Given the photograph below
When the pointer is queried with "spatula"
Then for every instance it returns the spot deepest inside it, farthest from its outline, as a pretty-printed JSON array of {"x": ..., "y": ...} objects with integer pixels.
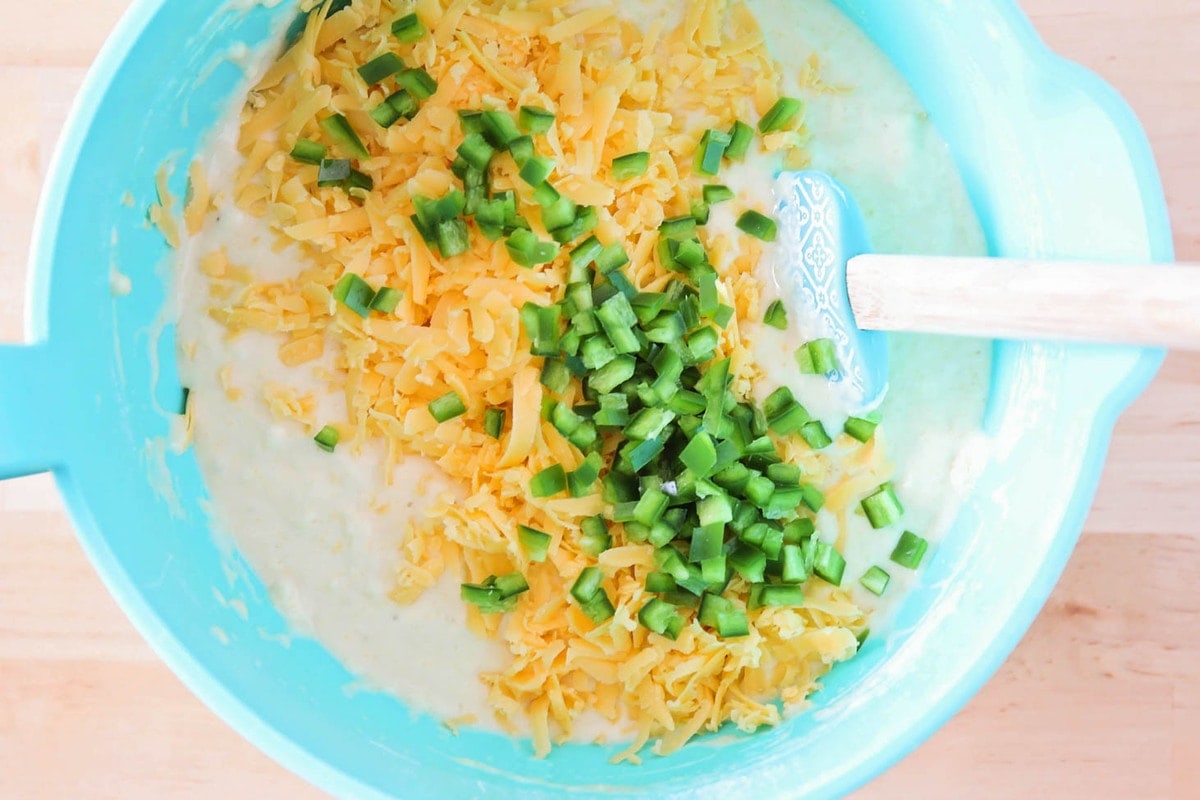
[{"x": 856, "y": 294}]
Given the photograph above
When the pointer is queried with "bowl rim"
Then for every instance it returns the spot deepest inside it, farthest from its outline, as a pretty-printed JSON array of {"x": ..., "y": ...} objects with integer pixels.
[{"x": 282, "y": 748}]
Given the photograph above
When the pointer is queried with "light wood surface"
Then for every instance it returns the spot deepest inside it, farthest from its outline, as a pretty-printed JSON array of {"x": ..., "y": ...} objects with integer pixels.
[
  {"x": 996, "y": 298},
  {"x": 1101, "y": 700}
]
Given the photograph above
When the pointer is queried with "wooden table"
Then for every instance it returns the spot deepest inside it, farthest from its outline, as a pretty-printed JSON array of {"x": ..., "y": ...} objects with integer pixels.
[{"x": 1101, "y": 700}]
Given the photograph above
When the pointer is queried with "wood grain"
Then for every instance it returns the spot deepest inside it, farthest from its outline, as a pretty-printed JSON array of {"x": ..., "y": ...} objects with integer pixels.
[
  {"x": 995, "y": 298},
  {"x": 1101, "y": 700}
]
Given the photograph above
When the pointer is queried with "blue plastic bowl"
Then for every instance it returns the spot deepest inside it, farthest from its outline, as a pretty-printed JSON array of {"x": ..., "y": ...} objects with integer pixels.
[{"x": 1056, "y": 165}]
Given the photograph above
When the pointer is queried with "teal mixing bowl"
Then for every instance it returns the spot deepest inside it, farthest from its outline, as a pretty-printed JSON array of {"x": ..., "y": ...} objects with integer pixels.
[{"x": 1056, "y": 166}]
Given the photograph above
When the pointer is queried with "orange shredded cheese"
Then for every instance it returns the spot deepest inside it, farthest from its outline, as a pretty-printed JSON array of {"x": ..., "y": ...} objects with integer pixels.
[
  {"x": 161, "y": 213},
  {"x": 615, "y": 89}
]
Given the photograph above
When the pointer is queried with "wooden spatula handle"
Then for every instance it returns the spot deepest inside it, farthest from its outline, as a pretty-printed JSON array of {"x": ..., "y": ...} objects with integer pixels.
[{"x": 1151, "y": 304}]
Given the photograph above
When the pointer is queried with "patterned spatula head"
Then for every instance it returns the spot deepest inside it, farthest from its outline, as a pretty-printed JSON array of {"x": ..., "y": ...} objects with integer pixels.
[{"x": 820, "y": 230}]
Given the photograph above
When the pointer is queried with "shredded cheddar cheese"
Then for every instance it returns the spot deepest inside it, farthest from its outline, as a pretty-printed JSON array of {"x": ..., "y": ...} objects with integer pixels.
[
  {"x": 615, "y": 89},
  {"x": 161, "y": 213}
]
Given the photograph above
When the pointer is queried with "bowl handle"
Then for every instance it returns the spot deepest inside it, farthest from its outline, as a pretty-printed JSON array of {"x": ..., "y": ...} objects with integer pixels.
[{"x": 28, "y": 407}]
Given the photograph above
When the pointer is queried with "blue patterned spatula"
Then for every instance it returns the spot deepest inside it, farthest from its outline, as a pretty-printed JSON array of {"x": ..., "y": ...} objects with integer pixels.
[
  {"x": 851, "y": 294},
  {"x": 821, "y": 230}
]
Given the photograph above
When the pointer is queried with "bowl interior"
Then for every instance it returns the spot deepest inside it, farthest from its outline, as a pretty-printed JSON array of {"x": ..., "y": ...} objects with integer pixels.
[{"x": 1055, "y": 165}]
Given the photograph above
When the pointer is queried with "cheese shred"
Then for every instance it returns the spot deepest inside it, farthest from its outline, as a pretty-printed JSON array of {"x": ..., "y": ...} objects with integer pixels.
[{"x": 615, "y": 89}]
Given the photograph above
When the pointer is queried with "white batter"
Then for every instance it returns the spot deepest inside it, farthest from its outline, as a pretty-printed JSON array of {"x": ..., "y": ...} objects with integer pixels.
[
  {"x": 322, "y": 530},
  {"x": 874, "y": 136}
]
